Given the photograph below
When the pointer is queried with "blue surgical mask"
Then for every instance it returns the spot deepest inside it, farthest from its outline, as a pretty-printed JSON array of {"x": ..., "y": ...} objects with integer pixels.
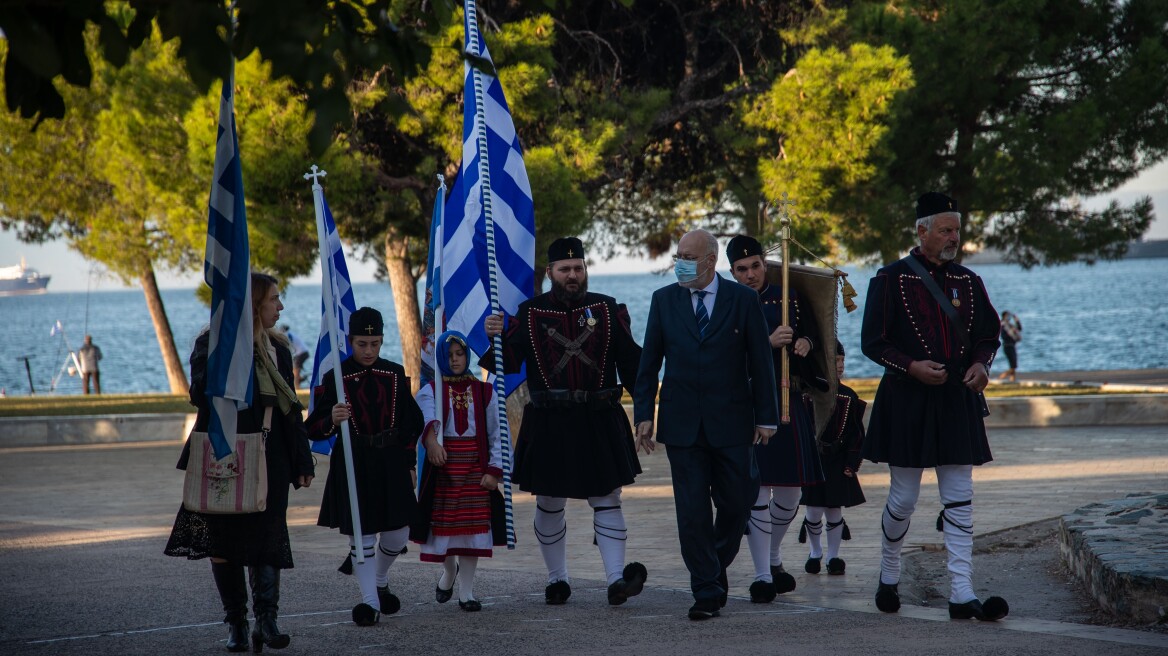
[{"x": 685, "y": 270}]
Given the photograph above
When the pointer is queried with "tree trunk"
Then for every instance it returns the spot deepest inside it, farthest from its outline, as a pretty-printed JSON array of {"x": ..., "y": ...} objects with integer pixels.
[
  {"x": 404, "y": 286},
  {"x": 175, "y": 373}
]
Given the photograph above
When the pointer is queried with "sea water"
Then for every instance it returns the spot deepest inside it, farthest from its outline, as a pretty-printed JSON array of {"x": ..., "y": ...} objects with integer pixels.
[{"x": 1107, "y": 316}]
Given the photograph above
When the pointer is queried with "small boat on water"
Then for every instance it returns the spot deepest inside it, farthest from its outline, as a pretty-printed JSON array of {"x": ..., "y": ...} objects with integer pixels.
[{"x": 19, "y": 280}]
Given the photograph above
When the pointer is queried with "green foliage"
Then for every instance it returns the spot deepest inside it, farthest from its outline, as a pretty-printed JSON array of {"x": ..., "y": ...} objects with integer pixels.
[
  {"x": 1019, "y": 108},
  {"x": 273, "y": 129},
  {"x": 829, "y": 115},
  {"x": 319, "y": 46}
]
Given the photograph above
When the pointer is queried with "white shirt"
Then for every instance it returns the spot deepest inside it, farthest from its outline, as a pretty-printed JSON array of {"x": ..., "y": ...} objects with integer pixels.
[{"x": 710, "y": 290}]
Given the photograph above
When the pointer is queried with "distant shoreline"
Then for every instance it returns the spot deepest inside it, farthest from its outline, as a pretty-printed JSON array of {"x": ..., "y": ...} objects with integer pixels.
[{"x": 1136, "y": 250}]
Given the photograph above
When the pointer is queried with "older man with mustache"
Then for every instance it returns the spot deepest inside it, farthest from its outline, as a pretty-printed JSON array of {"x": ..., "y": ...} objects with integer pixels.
[{"x": 929, "y": 322}]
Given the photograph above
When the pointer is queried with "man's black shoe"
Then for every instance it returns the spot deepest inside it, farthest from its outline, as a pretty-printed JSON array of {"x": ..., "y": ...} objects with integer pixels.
[
  {"x": 704, "y": 609},
  {"x": 784, "y": 582},
  {"x": 557, "y": 593},
  {"x": 762, "y": 592},
  {"x": 812, "y": 566},
  {"x": 836, "y": 566},
  {"x": 994, "y": 608},
  {"x": 631, "y": 583},
  {"x": 888, "y": 597}
]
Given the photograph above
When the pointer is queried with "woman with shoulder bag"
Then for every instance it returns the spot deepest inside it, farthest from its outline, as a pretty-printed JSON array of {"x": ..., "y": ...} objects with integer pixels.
[{"x": 256, "y": 540}]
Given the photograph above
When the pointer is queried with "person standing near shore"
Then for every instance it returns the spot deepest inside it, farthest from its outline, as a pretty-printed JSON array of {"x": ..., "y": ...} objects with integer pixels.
[
  {"x": 258, "y": 541},
  {"x": 929, "y": 322},
  {"x": 89, "y": 355},
  {"x": 1011, "y": 335}
]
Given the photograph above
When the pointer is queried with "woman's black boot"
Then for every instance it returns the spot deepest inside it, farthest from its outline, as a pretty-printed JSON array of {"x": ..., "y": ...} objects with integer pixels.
[
  {"x": 265, "y": 600},
  {"x": 233, "y": 593}
]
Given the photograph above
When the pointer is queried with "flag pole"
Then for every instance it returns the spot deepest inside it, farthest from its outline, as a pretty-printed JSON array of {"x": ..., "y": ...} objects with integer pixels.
[
  {"x": 785, "y": 361},
  {"x": 328, "y": 287},
  {"x": 440, "y": 307},
  {"x": 497, "y": 341}
]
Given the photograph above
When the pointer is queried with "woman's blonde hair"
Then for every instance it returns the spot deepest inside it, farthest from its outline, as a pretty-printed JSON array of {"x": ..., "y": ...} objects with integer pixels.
[{"x": 261, "y": 285}]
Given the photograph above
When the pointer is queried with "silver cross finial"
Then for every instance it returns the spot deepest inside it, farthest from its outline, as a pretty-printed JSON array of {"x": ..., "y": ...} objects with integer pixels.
[
  {"x": 784, "y": 206},
  {"x": 316, "y": 173}
]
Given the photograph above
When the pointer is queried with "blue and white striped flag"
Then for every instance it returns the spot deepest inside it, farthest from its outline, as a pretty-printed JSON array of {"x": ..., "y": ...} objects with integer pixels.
[
  {"x": 343, "y": 304},
  {"x": 227, "y": 271},
  {"x": 433, "y": 326},
  {"x": 465, "y": 264}
]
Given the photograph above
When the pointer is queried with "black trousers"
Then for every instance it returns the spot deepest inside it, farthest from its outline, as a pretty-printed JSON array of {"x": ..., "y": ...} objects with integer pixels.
[{"x": 727, "y": 476}]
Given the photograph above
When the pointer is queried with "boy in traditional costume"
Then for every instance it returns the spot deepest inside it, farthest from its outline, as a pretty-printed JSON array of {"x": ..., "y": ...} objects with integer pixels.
[
  {"x": 840, "y": 453},
  {"x": 384, "y": 424}
]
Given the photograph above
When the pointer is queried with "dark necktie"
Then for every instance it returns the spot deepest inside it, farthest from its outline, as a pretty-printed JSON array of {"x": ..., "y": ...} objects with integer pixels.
[{"x": 700, "y": 312}]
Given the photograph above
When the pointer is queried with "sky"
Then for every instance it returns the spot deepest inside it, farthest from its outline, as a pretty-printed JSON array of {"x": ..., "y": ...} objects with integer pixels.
[{"x": 71, "y": 272}]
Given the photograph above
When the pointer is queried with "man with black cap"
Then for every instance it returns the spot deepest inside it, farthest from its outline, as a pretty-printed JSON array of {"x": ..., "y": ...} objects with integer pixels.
[
  {"x": 790, "y": 460},
  {"x": 929, "y": 322},
  {"x": 384, "y": 424},
  {"x": 575, "y": 441}
]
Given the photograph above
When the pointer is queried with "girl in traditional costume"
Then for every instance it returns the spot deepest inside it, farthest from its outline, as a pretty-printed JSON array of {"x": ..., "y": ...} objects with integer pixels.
[{"x": 461, "y": 510}]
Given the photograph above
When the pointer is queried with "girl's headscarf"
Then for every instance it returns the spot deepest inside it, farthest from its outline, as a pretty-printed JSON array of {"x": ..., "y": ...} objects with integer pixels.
[{"x": 442, "y": 350}]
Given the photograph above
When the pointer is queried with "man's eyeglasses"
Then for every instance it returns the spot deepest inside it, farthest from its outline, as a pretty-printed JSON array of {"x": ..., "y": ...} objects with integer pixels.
[{"x": 687, "y": 258}]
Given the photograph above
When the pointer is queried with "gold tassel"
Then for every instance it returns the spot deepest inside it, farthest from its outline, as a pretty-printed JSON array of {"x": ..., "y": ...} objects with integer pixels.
[{"x": 848, "y": 292}]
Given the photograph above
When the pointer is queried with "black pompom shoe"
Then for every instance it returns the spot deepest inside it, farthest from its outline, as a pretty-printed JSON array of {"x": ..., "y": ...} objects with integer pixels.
[
  {"x": 762, "y": 592},
  {"x": 470, "y": 605},
  {"x": 994, "y": 609},
  {"x": 888, "y": 598},
  {"x": 784, "y": 582},
  {"x": 557, "y": 593},
  {"x": 365, "y": 615},
  {"x": 813, "y": 565},
  {"x": 836, "y": 566},
  {"x": 390, "y": 604},
  {"x": 631, "y": 583}
]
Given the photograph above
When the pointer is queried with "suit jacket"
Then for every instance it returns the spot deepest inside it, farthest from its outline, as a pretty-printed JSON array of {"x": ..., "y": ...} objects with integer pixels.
[{"x": 724, "y": 382}]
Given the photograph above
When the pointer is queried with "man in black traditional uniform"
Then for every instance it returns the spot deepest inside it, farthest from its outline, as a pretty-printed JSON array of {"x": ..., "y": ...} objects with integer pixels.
[
  {"x": 384, "y": 424},
  {"x": 929, "y": 322},
  {"x": 790, "y": 460},
  {"x": 575, "y": 441}
]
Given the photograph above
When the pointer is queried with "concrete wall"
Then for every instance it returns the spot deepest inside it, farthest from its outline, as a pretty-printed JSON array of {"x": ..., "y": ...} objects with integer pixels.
[
  {"x": 1086, "y": 410},
  {"x": 94, "y": 429}
]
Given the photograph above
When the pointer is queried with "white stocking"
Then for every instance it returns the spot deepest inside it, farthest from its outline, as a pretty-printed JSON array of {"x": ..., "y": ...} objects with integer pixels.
[
  {"x": 366, "y": 572},
  {"x": 551, "y": 529},
  {"x": 813, "y": 522},
  {"x": 608, "y": 521},
  {"x": 955, "y": 483},
  {"x": 903, "y": 490},
  {"x": 466, "y": 575},
  {"x": 759, "y": 537},
  {"x": 389, "y": 547},
  {"x": 784, "y": 507},
  {"x": 835, "y": 531}
]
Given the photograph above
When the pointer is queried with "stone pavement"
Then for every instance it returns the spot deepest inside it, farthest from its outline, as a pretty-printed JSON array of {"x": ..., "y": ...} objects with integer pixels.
[{"x": 82, "y": 530}]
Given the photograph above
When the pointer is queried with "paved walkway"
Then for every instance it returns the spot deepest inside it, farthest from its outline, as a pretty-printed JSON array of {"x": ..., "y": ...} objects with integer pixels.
[{"x": 82, "y": 530}]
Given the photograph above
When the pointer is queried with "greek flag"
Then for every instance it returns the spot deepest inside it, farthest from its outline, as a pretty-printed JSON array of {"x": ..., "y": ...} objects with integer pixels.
[
  {"x": 227, "y": 271},
  {"x": 336, "y": 296},
  {"x": 431, "y": 327},
  {"x": 466, "y": 283}
]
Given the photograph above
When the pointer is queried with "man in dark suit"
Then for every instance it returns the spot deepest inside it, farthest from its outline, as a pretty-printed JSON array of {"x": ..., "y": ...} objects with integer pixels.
[{"x": 717, "y": 400}]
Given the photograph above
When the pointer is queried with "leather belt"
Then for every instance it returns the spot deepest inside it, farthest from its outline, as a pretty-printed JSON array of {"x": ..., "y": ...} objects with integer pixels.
[{"x": 562, "y": 398}]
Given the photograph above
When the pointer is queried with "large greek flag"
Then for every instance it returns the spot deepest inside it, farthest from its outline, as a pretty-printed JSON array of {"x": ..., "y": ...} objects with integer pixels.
[
  {"x": 336, "y": 296},
  {"x": 466, "y": 284},
  {"x": 227, "y": 270}
]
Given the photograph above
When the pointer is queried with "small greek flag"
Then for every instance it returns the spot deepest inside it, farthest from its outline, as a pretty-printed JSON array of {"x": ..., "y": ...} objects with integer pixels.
[{"x": 337, "y": 297}]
